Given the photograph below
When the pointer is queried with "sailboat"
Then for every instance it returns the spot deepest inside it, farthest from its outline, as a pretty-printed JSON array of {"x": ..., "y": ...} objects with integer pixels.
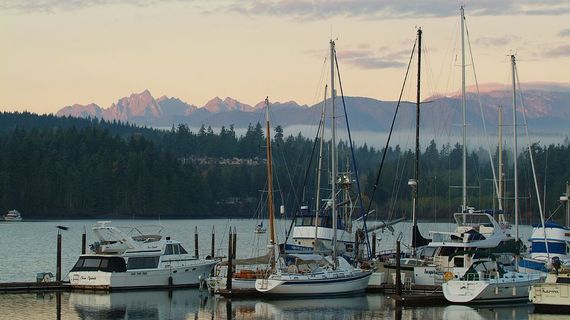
[
  {"x": 309, "y": 274},
  {"x": 491, "y": 284},
  {"x": 249, "y": 269}
]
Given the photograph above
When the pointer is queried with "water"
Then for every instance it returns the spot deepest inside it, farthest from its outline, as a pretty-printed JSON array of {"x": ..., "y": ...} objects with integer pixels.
[{"x": 29, "y": 247}]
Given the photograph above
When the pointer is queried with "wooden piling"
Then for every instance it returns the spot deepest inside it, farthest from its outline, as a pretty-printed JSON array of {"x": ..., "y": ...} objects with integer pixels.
[
  {"x": 58, "y": 262},
  {"x": 83, "y": 241},
  {"x": 229, "y": 274},
  {"x": 212, "y": 251},
  {"x": 196, "y": 241},
  {"x": 373, "y": 244},
  {"x": 398, "y": 283},
  {"x": 234, "y": 244}
]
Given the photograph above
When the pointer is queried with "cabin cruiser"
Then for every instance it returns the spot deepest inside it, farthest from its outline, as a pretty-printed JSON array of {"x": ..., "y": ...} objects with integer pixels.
[
  {"x": 12, "y": 215},
  {"x": 135, "y": 259}
]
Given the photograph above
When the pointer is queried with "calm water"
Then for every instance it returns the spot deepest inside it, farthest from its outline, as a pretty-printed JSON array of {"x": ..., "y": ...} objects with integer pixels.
[{"x": 30, "y": 247}]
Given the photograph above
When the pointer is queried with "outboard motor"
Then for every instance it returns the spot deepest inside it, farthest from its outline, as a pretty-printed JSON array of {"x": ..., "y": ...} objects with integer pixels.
[{"x": 556, "y": 264}]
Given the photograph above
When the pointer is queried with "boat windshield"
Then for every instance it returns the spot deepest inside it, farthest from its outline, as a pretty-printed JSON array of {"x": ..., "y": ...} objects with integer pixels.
[
  {"x": 472, "y": 219},
  {"x": 107, "y": 264}
]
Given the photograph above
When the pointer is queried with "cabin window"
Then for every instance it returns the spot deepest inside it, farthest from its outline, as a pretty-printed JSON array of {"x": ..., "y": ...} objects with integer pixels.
[
  {"x": 168, "y": 250},
  {"x": 107, "y": 264},
  {"x": 307, "y": 221},
  {"x": 459, "y": 262},
  {"x": 182, "y": 250},
  {"x": 176, "y": 249},
  {"x": 142, "y": 263},
  {"x": 299, "y": 221}
]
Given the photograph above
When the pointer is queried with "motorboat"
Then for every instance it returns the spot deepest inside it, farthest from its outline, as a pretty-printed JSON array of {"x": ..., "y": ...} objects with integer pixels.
[
  {"x": 134, "y": 259},
  {"x": 12, "y": 215},
  {"x": 552, "y": 296}
]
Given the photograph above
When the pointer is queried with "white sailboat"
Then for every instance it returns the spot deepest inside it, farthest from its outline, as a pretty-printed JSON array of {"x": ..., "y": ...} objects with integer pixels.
[
  {"x": 313, "y": 274},
  {"x": 490, "y": 284}
]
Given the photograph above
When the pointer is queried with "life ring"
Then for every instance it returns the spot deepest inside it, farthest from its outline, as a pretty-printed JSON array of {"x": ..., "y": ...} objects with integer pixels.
[{"x": 447, "y": 276}]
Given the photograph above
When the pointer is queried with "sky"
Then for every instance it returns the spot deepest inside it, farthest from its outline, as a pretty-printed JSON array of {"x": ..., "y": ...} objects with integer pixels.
[{"x": 55, "y": 53}]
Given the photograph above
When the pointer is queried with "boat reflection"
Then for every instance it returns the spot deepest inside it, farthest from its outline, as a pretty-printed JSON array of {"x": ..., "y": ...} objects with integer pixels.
[
  {"x": 176, "y": 304},
  {"x": 521, "y": 311}
]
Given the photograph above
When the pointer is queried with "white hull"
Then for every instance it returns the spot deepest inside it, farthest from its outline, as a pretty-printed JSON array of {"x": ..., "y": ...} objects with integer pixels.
[
  {"x": 12, "y": 219},
  {"x": 512, "y": 287},
  {"x": 215, "y": 284},
  {"x": 182, "y": 276},
  {"x": 551, "y": 294},
  {"x": 314, "y": 284}
]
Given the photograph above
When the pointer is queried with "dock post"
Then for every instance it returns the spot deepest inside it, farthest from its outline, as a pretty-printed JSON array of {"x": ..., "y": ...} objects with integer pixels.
[
  {"x": 58, "y": 262},
  {"x": 212, "y": 251},
  {"x": 230, "y": 267},
  {"x": 196, "y": 241},
  {"x": 234, "y": 251},
  {"x": 373, "y": 244},
  {"x": 83, "y": 241},
  {"x": 398, "y": 283}
]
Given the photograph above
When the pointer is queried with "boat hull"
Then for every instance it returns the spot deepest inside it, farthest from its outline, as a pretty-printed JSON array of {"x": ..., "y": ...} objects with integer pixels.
[
  {"x": 182, "y": 276},
  {"x": 551, "y": 297},
  {"x": 499, "y": 290},
  {"x": 317, "y": 284}
]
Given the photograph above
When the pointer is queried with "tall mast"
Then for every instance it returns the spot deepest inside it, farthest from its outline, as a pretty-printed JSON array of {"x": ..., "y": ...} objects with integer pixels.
[
  {"x": 463, "y": 107},
  {"x": 500, "y": 186},
  {"x": 333, "y": 156},
  {"x": 515, "y": 148},
  {"x": 270, "y": 207},
  {"x": 319, "y": 168},
  {"x": 415, "y": 185}
]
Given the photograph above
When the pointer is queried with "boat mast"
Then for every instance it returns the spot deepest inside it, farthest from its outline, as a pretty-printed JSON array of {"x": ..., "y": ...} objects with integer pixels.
[
  {"x": 318, "y": 198},
  {"x": 515, "y": 151},
  {"x": 270, "y": 208},
  {"x": 415, "y": 182},
  {"x": 333, "y": 157},
  {"x": 500, "y": 187},
  {"x": 463, "y": 107}
]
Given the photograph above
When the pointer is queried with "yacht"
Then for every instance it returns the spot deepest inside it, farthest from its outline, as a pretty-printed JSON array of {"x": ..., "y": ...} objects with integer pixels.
[
  {"x": 12, "y": 215},
  {"x": 134, "y": 259}
]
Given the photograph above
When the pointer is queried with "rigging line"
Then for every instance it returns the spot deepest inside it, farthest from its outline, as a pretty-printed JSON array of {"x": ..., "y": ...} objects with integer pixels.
[
  {"x": 306, "y": 176},
  {"x": 391, "y": 130},
  {"x": 529, "y": 146},
  {"x": 495, "y": 184},
  {"x": 362, "y": 213}
]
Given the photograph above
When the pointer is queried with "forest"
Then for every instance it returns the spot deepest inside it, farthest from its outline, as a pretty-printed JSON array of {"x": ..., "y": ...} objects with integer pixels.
[{"x": 63, "y": 167}]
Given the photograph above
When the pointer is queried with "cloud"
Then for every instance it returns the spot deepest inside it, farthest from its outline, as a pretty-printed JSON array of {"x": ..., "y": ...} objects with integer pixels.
[
  {"x": 564, "y": 33},
  {"x": 394, "y": 9},
  {"x": 556, "y": 52},
  {"x": 314, "y": 9},
  {"x": 496, "y": 41},
  {"x": 27, "y": 6},
  {"x": 367, "y": 59}
]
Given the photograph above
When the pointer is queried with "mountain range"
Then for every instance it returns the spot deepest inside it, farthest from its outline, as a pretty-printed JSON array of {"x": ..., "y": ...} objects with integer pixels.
[{"x": 547, "y": 109}]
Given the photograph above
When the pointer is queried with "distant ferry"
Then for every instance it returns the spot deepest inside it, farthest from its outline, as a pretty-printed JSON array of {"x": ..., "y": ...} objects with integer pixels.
[{"x": 12, "y": 215}]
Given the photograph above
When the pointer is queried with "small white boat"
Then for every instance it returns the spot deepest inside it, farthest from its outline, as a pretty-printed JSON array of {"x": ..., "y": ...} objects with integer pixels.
[
  {"x": 259, "y": 228},
  {"x": 552, "y": 296},
  {"x": 133, "y": 259},
  {"x": 12, "y": 215},
  {"x": 489, "y": 286}
]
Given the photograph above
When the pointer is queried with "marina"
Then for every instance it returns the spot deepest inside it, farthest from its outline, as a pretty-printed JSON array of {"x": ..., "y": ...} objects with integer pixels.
[{"x": 196, "y": 302}]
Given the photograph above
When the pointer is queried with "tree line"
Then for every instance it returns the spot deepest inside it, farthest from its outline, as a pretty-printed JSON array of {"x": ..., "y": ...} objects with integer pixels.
[{"x": 63, "y": 167}]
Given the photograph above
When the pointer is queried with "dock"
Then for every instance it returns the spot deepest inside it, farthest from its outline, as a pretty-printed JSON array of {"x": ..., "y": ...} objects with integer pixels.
[{"x": 31, "y": 287}]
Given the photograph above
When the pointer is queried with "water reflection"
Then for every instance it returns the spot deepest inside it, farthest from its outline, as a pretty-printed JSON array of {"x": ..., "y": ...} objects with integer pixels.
[
  {"x": 196, "y": 304},
  {"x": 513, "y": 312},
  {"x": 177, "y": 304}
]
